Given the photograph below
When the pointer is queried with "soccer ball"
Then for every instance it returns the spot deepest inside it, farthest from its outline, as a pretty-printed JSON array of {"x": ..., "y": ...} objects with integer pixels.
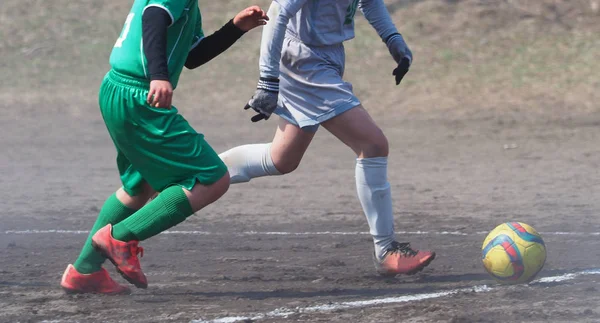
[{"x": 513, "y": 253}]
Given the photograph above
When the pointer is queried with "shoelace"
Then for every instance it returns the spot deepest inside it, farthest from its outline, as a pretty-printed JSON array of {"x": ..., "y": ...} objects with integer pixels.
[
  {"x": 137, "y": 250},
  {"x": 403, "y": 248}
]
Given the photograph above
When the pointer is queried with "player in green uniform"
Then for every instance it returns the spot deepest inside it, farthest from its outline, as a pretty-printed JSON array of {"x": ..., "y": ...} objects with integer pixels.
[{"x": 157, "y": 150}]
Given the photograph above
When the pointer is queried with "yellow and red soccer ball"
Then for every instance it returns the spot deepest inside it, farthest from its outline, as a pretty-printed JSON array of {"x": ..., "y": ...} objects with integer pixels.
[{"x": 513, "y": 253}]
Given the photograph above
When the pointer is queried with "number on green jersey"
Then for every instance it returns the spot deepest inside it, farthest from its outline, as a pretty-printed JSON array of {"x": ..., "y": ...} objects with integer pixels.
[{"x": 125, "y": 31}]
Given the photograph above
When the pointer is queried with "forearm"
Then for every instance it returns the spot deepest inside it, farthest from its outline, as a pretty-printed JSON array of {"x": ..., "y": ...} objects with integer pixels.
[
  {"x": 213, "y": 45},
  {"x": 264, "y": 101},
  {"x": 155, "y": 22},
  {"x": 272, "y": 41},
  {"x": 379, "y": 17}
]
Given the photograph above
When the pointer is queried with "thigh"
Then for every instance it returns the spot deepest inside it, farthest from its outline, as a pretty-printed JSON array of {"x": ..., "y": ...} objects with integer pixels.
[
  {"x": 358, "y": 130},
  {"x": 168, "y": 151},
  {"x": 132, "y": 180},
  {"x": 158, "y": 145},
  {"x": 290, "y": 143},
  {"x": 113, "y": 107}
]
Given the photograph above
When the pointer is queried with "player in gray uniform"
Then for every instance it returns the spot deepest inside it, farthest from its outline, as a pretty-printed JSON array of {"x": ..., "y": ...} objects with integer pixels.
[{"x": 302, "y": 64}]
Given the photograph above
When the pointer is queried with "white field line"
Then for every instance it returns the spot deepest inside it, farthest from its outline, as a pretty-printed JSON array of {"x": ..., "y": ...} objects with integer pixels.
[
  {"x": 329, "y": 307},
  {"x": 286, "y": 233}
]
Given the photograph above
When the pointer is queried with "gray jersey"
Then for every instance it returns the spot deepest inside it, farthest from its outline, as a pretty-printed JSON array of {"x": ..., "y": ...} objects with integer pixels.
[{"x": 321, "y": 22}]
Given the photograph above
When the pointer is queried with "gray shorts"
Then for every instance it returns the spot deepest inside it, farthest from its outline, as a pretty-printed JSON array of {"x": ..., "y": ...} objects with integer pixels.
[{"x": 311, "y": 88}]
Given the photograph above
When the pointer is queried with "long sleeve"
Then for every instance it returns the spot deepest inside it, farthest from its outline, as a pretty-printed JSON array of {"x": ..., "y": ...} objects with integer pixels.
[
  {"x": 155, "y": 22},
  {"x": 280, "y": 12},
  {"x": 379, "y": 17},
  {"x": 212, "y": 46}
]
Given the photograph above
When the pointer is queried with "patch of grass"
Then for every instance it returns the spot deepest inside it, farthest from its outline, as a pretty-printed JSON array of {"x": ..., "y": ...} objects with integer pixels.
[{"x": 469, "y": 55}]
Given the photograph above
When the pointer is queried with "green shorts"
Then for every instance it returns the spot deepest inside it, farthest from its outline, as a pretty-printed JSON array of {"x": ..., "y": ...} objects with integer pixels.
[{"x": 154, "y": 145}]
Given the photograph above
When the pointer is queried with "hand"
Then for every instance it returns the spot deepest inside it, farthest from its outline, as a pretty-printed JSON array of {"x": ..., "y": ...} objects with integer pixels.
[
  {"x": 265, "y": 98},
  {"x": 264, "y": 102},
  {"x": 250, "y": 18},
  {"x": 401, "y": 70},
  {"x": 401, "y": 54},
  {"x": 160, "y": 94}
]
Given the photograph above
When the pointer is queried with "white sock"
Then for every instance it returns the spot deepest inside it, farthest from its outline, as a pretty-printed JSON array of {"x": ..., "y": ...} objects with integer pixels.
[
  {"x": 249, "y": 161},
  {"x": 375, "y": 197}
]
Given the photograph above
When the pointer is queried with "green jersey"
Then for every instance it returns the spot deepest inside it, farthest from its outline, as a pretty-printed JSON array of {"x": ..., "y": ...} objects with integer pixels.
[{"x": 183, "y": 34}]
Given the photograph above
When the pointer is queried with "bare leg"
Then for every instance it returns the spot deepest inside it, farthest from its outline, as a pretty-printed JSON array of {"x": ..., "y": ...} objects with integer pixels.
[
  {"x": 358, "y": 131},
  {"x": 200, "y": 196},
  {"x": 136, "y": 202},
  {"x": 282, "y": 156},
  {"x": 289, "y": 145}
]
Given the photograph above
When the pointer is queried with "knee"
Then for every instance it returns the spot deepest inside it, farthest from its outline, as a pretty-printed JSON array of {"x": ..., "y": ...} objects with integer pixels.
[
  {"x": 286, "y": 166},
  {"x": 374, "y": 146},
  {"x": 137, "y": 201},
  {"x": 146, "y": 193}
]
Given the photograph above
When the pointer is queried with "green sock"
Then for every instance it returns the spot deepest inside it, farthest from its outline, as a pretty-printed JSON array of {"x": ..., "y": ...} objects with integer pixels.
[
  {"x": 168, "y": 209},
  {"x": 113, "y": 212}
]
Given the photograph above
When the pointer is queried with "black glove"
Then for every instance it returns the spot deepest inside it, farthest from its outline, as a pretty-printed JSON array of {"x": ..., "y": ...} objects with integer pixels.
[
  {"x": 401, "y": 70},
  {"x": 401, "y": 54},
  {"x": 264, "y": 100}
]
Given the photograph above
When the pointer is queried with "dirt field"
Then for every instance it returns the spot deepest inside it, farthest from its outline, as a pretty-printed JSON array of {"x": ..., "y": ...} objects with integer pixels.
[{"x": 501, "y": 134}]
